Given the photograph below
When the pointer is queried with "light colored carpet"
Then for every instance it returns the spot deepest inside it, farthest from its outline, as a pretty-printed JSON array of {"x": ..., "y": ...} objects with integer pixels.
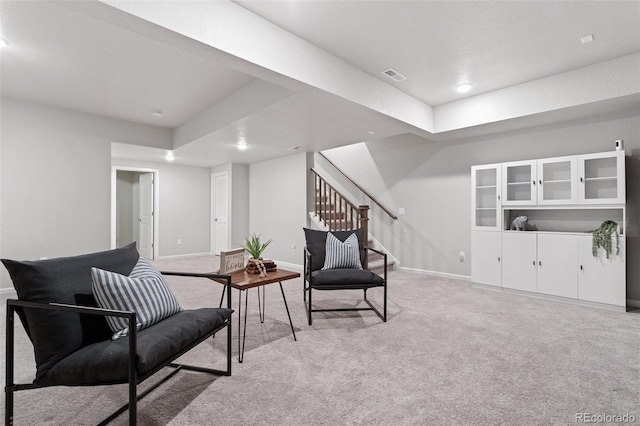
[{"x": 449, "y": 354}]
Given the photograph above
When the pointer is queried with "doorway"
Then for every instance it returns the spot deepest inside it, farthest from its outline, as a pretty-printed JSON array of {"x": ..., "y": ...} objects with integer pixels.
[
  {"x": 219, "y": 212},
  {"x": 134, "y": 209}
]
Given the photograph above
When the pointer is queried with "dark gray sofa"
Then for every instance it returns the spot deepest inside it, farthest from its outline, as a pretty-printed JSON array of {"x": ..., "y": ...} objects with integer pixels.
[{"x": 72, "y": 342}]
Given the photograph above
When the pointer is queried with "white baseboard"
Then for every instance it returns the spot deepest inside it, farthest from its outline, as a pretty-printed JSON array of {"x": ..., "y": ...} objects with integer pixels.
[
  {"x": 178, "y": 256},
  {"x": 436, "y": 274},
  {"x": 556, "y": 298},
  {"x": 292, "y": 266},
  {"x": 10, "y": 292}
]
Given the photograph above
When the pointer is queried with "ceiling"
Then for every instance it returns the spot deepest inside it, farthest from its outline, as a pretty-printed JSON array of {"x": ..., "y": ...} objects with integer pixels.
[{"x": 305, "y": 74}]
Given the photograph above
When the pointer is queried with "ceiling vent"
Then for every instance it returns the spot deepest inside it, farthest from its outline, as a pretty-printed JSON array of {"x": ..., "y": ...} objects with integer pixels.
[{"x": 394, "y": 75}]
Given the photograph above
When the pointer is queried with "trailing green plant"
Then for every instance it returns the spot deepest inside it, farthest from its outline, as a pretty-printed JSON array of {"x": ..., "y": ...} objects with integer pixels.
[
  {"x": 602, "y": 238},
  {"x": 254, "y": 245}
]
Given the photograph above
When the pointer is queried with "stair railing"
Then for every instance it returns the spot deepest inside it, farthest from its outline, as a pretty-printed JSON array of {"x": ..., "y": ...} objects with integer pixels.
[
  {"x": 361, "y": 189},
  {"x": 335, "y": 210}
]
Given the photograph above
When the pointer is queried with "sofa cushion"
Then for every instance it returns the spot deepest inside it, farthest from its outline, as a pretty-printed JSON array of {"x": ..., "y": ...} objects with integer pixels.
[
  {"x": 56, "y": 334},
  {"x": 342, "y": 254},
  {"x": 337, "y": 279},
  {"x": 316, "y": 242},
  {"x": 107, "y": 362},
  {"x": 144, "y": 292}
]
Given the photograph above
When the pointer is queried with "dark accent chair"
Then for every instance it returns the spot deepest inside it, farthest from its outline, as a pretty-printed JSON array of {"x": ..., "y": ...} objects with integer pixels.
[
  {"x": 71, "y": 338},
  {"x": 316, "y": 278}
]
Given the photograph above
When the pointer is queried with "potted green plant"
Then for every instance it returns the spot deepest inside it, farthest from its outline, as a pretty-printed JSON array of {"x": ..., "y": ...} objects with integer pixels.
[
  {"x": 602, "y": 238},
  {"x": 255, "y": 247}
]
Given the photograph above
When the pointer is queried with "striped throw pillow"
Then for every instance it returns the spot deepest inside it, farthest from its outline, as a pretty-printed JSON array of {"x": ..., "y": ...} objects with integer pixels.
[
  {"x": 144, "y": 291},
  {"x": 342, "y": 255}
]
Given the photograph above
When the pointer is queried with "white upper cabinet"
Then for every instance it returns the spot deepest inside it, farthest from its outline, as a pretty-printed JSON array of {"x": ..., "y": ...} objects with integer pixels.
[
  {"x": 519, "y": 186},
  {"x": 557, "y": 180},
  {"x": 577, "y": 179},
  {"x": 485, "y": 197},
  {"x": 601, "y": 178}
]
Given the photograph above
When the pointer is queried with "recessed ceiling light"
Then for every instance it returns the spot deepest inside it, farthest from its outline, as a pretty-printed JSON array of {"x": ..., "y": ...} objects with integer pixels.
[
  {"x": 242, "y": 145},
  {"x": 169, "y": 156},
  {"x": 3, "y": 42},
  {"x": 586, "y": 39},
  {"x": 371, "y": 132},
  {"x": 464, "y": 87},
  {"x": 156, "y": 113},
  {"x": 294, "y": 148}
]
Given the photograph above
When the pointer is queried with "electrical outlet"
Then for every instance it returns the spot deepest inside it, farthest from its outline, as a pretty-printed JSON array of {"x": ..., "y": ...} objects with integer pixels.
[
  {"x": 401, "y": 210},
  {"x": 293, "y": 247},
  {"x": 463, "y": 256},
  {"x": 179, "y": 241}
]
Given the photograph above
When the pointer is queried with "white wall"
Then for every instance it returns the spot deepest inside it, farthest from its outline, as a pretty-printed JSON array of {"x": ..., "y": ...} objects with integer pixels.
[
  {"x": 184, "y": 207},
  {"x": 432, "y": 182},
  {"x": 55, "y": 179},
  {"x": 278, "y": 205},
  {"x": 56, "y": 172}
]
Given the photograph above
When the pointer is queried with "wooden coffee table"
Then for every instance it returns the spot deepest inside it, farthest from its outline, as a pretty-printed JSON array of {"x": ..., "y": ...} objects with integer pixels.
[{"x": 242, "y": 281}]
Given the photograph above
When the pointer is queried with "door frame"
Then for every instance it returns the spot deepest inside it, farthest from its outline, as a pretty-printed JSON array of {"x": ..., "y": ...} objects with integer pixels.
[
  {"x": 156, "y": 203},
  {"x": 212, "y": 236}
]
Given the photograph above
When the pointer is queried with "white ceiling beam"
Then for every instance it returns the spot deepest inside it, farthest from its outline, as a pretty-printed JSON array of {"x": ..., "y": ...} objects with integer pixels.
[
  {"x": 233, "y": 29},
  {"x": 250, "y": 99},
  {"x": 617, "y": 78}
]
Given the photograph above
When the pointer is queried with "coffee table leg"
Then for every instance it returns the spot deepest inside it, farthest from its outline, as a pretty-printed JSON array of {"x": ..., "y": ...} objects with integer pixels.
[
  {"x": 261, "y": 310},
  {"x": 244, "y": 329},
  {"x": 288, "y": 314}
]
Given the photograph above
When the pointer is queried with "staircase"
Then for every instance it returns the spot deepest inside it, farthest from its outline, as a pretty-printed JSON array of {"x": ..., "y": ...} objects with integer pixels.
[{"x": 333, "y": 212}]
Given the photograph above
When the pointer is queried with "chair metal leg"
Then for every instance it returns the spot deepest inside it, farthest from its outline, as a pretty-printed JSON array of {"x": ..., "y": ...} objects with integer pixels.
[
  {"x": 8, "y": 390},
  {"x": 309, "y": 310}
]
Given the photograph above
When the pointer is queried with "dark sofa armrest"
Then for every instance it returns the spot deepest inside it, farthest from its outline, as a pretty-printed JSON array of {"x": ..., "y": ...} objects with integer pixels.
[
  {"x": 70, "y": 308},
  {"x": 384, "y": 255},
  {"x": 307, "y": 264},
  {"x": 213, "y": 277},
  {"x": 12, "y": 304}
]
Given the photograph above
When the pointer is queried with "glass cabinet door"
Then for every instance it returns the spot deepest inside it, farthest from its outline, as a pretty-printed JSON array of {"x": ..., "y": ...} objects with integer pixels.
[
  {"x": 557, "y": 180},
  {"x": 485, "y": 197},
  {"x": 601, "y": 178},
  {"x": 519, "y": 183}
]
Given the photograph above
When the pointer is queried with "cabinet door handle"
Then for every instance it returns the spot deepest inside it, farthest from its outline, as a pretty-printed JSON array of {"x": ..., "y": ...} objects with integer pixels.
[
  {"x": 581, "y": 180},
  {"x": 540, "y": 263},
  {"x": 534, "y": 263},
  {"x": 540, "y": 182},
  {"x": 533, "y": 181},
  {"x": 498, "y": 258},
  {"x": 581, "y": 268},
  {"x": 498, "y": 197}
]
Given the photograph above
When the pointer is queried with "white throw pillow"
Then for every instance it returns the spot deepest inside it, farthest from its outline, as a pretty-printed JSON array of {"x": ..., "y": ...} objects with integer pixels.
[
  {"x": 144, "y": 291},
  {"x": 342, "y": 255}
]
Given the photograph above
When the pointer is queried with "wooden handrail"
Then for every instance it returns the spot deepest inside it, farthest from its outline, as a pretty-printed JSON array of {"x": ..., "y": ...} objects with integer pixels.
[
  {"x": 336, "y": 211},
  {"x": 371, "y": 197}
]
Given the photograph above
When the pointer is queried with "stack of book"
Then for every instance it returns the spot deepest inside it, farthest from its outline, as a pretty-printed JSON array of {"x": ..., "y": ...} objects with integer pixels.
[{"x": 253, "y": 268}]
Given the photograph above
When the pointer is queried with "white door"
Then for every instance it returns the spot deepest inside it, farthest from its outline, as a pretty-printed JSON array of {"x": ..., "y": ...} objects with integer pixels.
[
  {"x": 601, "y": 178},
  {"x": 220, "y": 212},
  {"x": 519, "y": 260},
  {"x": 519, "y": 184},
  {"x": 485, "y": 197},
  {"x": 486, "y": 247},
  {"x": 557, "y": 180},
  {"x": 145, "y": 229},
  {"x": 557, "y": 265},
  {"x": 600, "y": 279}
]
